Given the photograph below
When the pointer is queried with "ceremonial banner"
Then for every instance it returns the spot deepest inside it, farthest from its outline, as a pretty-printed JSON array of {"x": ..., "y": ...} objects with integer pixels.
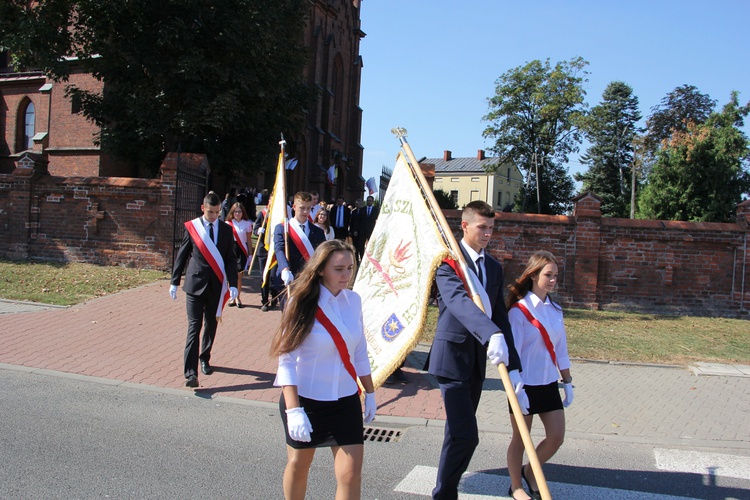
[
  {"x": 275, "y": 214},
  {"x": 396, "y": 274}
]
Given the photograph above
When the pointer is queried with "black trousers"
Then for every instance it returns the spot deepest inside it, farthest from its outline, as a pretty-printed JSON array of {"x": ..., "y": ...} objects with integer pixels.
[
  {"x": 461, "y": 400},
  {"x": 201, "y": 309},
  {"x": 263, "y": 289}
]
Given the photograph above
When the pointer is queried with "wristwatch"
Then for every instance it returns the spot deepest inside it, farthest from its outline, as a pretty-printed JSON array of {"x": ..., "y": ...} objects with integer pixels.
[{"x": 569, "y": 381}]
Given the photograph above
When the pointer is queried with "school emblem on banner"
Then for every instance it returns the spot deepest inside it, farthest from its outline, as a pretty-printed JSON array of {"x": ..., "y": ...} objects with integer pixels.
[{"x": 396, "y": 274}]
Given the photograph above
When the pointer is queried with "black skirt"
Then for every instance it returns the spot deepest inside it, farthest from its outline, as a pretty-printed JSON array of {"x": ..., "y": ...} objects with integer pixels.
[
  {"x": 242, "y": 261},
  {"x": 542, "y": 398},
  {"x": 334, "y": 423}
]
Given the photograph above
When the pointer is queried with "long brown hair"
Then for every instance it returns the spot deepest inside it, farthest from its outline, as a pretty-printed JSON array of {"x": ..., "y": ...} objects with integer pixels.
[
  {"x": 327, "y": 223},
  {"x": 522, "y": 285},
  {"x": 299, "y": 313},
  {"x": 230, "y": 214}
]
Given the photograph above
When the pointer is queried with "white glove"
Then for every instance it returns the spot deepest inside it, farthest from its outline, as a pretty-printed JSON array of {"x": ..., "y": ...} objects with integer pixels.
[
  {"x": 298, "y": 424},
  {"x": 517, "y": 383},
  {"x": 497, "y": 351},
  {"x": 173, "y": 291},
  {"x": 287, "y": 276},
  {"x": 261, "y": 230},
  {"x": 370, "y": 407},
  {"x": 232, "y": 293},
  {"x": 568, "y": 399}
]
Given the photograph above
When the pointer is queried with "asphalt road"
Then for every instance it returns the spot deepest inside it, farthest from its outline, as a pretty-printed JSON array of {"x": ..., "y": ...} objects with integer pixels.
[{"x": 76, "y": 437}]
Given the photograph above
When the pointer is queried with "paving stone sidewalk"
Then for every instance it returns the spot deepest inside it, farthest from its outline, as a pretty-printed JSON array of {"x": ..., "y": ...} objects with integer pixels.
[{"x": 137, "y": 336}]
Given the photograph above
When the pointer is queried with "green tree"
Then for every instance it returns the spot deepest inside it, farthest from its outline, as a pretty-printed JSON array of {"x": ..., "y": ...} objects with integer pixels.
[
  {"x": 534, "y": 119},
  {"x": 610, "y": 128},
  {"x": 701, "y": 173},
  {"x": 444, "y": 199},
  {"x": 216, "y": 77}
]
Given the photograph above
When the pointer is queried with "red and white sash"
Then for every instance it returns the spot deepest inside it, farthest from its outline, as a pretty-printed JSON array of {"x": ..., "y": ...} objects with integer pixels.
[
  {"x": 208, "y": 249},
  {"x": 477, "y": 285},
  {"x": 300, "y": 239},
  {"x": 334, "y": 326},
  {"x": 539, "y": 326},
  {"x": 242, "y": 244}
]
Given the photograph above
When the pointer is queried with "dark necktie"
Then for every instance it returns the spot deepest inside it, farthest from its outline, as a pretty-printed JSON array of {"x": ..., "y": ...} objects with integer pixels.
[
  {"x": 211, "y": 231},
  {"x": 304, "y": 229},
  {"x": 480, "y": 274}
]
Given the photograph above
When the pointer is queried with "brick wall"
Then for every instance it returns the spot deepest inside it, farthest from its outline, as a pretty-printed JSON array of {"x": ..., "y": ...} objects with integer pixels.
[
  {"x": 660, "y": 266},
  {"x": 644, "y": 265},
  {"x": 101, "y": 220}
]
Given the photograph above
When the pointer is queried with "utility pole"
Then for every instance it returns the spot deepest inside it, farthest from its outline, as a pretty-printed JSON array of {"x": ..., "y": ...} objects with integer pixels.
[{"x": 538, "y": 197}]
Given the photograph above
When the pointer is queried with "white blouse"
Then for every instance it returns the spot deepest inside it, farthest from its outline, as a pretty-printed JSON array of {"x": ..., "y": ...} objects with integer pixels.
[
  {"x": 243, "y": 228},
  {"x": 536, "y": 362},
  {"x": 330, "y": 234},
  {"x": 315, "y": 367}
]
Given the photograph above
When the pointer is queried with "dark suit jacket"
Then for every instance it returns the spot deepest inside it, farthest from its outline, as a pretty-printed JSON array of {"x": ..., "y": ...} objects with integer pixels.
[
  {"x": 199, "y": 273},
  {"x": 259, "y": 223},
  {"x": 335, "y": 215},
  {"x": 296, "y": 261},
  {"x": 463, "y": 330},
  {"x": 367, "y": 223}
]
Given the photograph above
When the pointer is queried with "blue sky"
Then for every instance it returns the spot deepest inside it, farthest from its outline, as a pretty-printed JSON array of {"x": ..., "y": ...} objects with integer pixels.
[{"x": 430, "y": 65}]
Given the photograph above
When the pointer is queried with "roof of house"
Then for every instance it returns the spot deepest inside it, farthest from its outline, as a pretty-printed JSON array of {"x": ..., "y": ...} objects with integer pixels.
[{"x": 460, "y": 165}]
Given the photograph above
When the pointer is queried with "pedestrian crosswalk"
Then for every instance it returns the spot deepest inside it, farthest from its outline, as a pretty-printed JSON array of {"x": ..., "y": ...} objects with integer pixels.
[
  {"x": 483, "y": 486},
  {"x": 707, "y": 464}
]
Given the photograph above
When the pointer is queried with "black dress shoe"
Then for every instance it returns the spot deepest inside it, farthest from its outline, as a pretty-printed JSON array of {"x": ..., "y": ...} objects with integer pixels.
[
  {"x": 533, "y": 493},
  {"x": 192, "y": 381},
  {"x": 206, "y": 368}
]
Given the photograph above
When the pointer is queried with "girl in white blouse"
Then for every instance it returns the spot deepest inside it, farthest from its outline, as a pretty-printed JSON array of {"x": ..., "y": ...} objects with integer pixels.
[
  {"x": 243, "y": 230},
  {"x": 539, "y": 335},
  {"x": 320, "y": 404}
]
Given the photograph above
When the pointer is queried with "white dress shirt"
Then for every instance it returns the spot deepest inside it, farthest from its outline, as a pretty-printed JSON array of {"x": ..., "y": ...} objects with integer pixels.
[
  {"x": 315, "y": 367},
  {"x": 538, "y": 368},
  {"x": 244, "y": 228}
]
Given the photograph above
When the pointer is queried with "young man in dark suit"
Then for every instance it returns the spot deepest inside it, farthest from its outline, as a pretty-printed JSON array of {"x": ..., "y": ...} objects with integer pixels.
[
  {"x": 302, "y": 240},
  {"x": 340, "y": 219},
  {"x": 368, "y": 215},
  {"x": 209, "y": 252},
  {"x": 465, "y": 336}
]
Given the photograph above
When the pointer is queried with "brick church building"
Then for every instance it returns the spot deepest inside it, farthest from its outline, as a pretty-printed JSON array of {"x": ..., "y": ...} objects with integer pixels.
[{"x": 36, "y": 117}]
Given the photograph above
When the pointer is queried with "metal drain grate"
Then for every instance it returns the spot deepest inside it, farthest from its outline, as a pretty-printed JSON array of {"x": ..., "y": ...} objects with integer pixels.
[{"x": 381, "y": 435}]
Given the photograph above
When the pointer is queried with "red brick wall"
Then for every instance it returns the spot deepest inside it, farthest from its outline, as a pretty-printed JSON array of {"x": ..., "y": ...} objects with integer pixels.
[
  {"x": 645, "y": 265},
  {"x": 660, "y": 266},
  {"x": 101, "y": 220}
]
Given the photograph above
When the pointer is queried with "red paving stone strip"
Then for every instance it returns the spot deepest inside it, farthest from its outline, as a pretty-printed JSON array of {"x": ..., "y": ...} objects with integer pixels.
[{"x": 137, "y": 336}]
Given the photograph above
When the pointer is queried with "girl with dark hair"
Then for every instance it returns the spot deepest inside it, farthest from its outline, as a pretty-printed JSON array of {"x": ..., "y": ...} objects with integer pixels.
[
  {"x": 539, "y": 335},
  {"x": 322, "y": 353}
]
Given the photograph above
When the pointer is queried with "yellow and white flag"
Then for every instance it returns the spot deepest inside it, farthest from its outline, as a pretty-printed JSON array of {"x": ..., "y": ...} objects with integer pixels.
[
  {"x": 396, "y": 274},
  {"x": 275, "y": 214}
]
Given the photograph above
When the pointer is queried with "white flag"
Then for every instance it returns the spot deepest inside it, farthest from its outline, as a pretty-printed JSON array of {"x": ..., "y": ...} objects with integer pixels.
[
  {"x": 396, "y": 275},
  {"x": 275, "y": 214}
]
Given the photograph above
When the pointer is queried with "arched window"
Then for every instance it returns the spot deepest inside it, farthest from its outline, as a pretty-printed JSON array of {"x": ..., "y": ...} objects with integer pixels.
[{"x": 29, "y": 126}]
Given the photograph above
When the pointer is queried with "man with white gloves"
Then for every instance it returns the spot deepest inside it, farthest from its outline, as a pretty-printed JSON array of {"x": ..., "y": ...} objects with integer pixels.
[
  {"x": 297, "y": 246},
  {"x": 207, "y": 239},
  {"x": 465, "y": 337}
]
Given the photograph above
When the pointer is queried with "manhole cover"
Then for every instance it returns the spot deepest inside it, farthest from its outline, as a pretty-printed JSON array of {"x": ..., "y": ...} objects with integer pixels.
[{"x": 381, "y": 435}]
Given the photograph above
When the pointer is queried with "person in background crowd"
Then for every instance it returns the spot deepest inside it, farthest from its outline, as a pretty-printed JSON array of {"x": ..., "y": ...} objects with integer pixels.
[
  {"x": 340, "y": 218},
  {"x": 206, "y": 240},
  {"x": 354, "y": 227},
  {"x": 315, "y": 204},
  {"x": 229, "y": 200},
  {"x": 322, "y": 353},
  {"x": 267, "y": 292},
  {"x": 242, "y": 228},
  {"x": 540, "y": 339},
  {"x": 367, "y": 218},
  {"x": 321, "y": 220}
]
